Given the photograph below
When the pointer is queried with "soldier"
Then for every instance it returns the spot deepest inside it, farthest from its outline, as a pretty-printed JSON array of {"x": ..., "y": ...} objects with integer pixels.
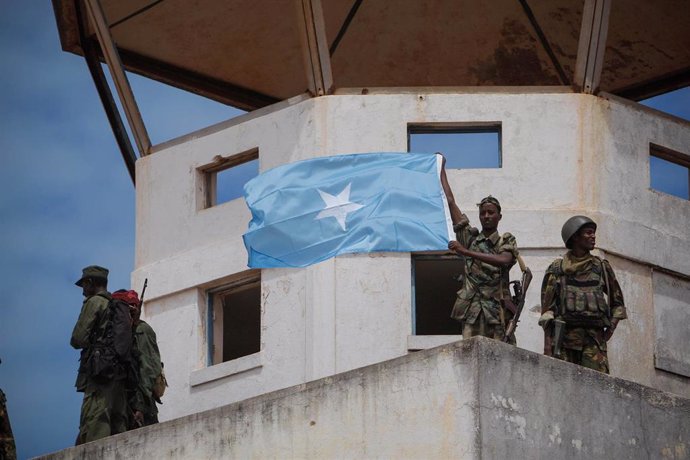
[
  {"x": 582, "y": 302},
  {"x": 483, "y": 304},
  {"x": 8, "y": 449},
  {"x": 104, "y": 408},
  {"x": 147, "y": 361}
]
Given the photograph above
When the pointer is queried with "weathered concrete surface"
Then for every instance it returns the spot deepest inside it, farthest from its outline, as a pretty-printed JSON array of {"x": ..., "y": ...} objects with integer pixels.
[
  {"x": 562, "y": 154},
  {"x": 474, "y": 399}
]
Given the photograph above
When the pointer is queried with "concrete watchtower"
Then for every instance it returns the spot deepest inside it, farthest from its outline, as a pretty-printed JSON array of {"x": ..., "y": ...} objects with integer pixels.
[{"x": 554, "y": 83}]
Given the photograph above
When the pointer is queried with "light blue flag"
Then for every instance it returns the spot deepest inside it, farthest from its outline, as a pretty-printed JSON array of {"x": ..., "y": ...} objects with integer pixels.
[{"x": 312, "y": 210}]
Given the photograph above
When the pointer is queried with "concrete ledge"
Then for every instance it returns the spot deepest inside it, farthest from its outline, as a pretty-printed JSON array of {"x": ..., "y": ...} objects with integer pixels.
[
  {"x": 424, "y": 342},
  {"x": 226, "y": 369},
  {"x": 473, "y": 399}
]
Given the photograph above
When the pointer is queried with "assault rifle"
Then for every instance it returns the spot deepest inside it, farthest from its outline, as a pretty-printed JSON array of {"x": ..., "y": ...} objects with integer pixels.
[
  {"x": 143, "y": 291},
  {"x": 519, "y": 292}
]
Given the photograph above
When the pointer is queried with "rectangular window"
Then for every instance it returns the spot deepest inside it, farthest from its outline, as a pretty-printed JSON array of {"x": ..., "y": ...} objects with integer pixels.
[
  {"x": 435, "y": 281},
  {"x": 234, "y": 319},
  {"x": 224, "y": 179},
  {"x": 669, "y": 171},
  {"x": 464, "y": 146}
]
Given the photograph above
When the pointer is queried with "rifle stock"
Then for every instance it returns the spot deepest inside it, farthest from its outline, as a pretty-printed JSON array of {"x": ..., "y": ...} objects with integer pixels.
[{"x": 520, "y": 288}]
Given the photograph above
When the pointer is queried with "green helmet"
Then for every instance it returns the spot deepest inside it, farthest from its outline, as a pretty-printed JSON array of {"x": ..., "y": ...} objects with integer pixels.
[{"x": 573, "y": 225}]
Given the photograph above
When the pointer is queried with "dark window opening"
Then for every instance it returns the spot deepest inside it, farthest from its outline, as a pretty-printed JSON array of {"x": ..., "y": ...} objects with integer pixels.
[
  {"x": 236, "y": 316},
  {"x": 435, "y": 284},
  {"x": 465, "y": 147},
  {"x": 669, "y": 171}
]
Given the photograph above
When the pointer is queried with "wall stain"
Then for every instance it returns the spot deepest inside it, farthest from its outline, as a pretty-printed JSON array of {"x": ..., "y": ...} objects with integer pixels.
[{"x": 515, "y": 60}]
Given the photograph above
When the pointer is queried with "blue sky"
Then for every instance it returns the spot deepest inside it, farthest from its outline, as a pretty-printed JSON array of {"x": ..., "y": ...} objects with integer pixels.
[{"x": 68, "y": 202}]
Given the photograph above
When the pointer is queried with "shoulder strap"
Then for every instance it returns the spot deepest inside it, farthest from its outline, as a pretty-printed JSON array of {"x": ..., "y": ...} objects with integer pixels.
[
  {"x": 556, "y": 268},
  {"x": 105, "y": 295},
  {"x": 561, "y": 288},
  {"x": 561, "y": 295},
  {"x": 521, "y": 263}
]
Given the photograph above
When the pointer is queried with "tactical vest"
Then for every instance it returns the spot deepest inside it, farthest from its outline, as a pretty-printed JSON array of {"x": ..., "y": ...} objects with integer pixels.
[{"x": 582, "y": 301}]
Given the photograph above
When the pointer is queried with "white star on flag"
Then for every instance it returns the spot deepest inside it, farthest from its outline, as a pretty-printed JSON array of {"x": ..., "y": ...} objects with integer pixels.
[{"x": 338, "y": 206}]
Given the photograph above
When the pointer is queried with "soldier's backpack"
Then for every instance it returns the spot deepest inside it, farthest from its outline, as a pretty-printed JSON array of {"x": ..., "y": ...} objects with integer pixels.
[
  {"x": 111, "y": 354},
  {"x": 159, "y": 385}
]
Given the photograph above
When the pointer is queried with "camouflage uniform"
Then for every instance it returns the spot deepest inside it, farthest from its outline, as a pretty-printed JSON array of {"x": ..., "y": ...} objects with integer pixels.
[
  {"x": 479, "y": 303},
  {"x": 585, "y": 311},
  {"x": 148, "y": 359},
  {"x": 7, "y": 447},
  {"x": 104, "y": 408}
]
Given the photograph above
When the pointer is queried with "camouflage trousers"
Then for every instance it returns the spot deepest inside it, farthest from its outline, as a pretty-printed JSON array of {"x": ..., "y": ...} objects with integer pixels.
[
  {"x": 593, "y": 355},
  {"x": 482, "y": 327},
  {"x": 104, "y": 411}
]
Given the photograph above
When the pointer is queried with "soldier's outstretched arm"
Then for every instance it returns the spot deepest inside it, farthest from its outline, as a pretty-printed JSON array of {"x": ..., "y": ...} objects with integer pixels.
[
  {"x": 504, "y": 259},
  {"x": 455, "y": 213}
]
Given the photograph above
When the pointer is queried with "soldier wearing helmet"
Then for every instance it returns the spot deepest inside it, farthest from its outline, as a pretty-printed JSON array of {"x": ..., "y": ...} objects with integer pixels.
[
  {"x": 582, "y": 301},
  {"x": 483, "y": 304}
]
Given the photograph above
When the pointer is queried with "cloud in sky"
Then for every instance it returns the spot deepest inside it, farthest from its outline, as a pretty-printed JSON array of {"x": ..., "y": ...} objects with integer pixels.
[{"x": 68, "y": 202}]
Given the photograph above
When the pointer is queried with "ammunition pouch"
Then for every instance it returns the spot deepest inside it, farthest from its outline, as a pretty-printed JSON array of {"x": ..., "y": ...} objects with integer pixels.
[
  {"x": 102, "y": 364},
  {"x": 159, "y": 386},
  {"x": 583, "y": 303}
]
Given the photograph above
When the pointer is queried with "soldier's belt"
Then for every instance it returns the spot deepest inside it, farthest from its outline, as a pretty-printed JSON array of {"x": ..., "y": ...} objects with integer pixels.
[{"x": 586, "y": 323}]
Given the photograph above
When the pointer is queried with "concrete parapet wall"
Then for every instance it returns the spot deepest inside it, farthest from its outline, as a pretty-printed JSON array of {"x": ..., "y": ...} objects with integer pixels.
[{"x": 474, "y": 399}]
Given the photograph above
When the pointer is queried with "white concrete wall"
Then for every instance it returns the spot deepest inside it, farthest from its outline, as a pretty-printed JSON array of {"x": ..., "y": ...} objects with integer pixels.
[
  {"x": 474, "y": 399},
  {"x": 562, "y": 154}
]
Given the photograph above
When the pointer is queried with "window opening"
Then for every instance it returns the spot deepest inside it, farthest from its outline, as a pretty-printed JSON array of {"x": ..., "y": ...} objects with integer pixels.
[
  {"x": 465, "y": 147},
  {"x": 435, "y": 282},
  {"x": 669, "y": 171},
  {"x": 224, "y": 179},
  {"x": 235, "y": 320}
]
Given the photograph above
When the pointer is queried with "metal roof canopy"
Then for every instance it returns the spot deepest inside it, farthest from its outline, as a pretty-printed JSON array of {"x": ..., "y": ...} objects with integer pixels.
[{"x": 250, "y": 54}]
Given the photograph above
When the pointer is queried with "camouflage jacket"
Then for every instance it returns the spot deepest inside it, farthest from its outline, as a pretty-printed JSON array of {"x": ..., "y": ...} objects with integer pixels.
[
  {"x": 484, "y": 285},
  {"x": 148, "y": 359},
  {"x": 91, "y": 324},
  {"x": 590, "y": 273}
]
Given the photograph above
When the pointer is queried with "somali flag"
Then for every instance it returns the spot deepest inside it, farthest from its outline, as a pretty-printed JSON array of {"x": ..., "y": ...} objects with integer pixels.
[{"x": 308, "y": 211}]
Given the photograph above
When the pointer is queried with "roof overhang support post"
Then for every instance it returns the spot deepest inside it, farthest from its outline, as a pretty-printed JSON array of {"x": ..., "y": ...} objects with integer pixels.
[
  {"x": 112, "y": 59},
  {"x": 592, "y": 44},
  {"x": 315, "y": 48},
  {"x": 94, "y": 64}
]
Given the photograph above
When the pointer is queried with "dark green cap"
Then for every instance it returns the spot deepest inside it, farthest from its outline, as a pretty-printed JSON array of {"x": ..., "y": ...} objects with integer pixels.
[
  {"x": 92, "y": 271},
  {"x": 492, "y": 200}
]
